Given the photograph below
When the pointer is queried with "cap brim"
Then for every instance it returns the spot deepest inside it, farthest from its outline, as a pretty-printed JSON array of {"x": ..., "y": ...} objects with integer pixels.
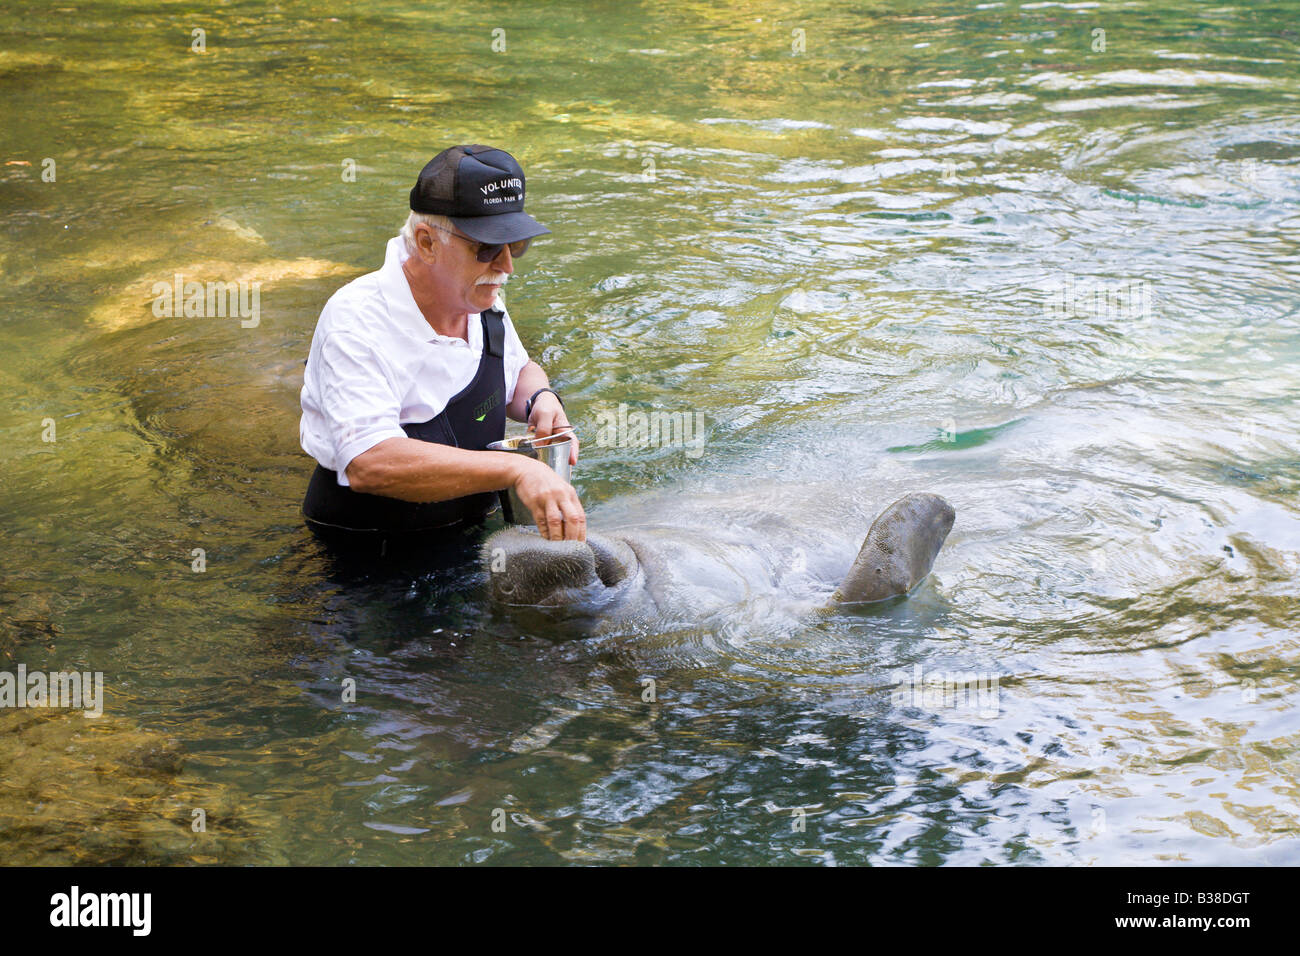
[{"x": 507, "y": 227}]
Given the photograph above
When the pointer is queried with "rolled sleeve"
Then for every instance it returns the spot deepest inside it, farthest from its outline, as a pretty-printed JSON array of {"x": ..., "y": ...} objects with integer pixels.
[{"x": 359, "y": 406}]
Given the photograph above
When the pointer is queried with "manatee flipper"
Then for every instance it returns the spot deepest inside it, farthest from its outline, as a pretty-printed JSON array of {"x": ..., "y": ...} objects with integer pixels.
[{"x": 899, "y": 550}]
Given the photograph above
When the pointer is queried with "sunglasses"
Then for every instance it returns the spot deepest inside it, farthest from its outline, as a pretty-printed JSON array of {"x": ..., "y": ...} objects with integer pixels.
[{"x": 488, "y": 251}]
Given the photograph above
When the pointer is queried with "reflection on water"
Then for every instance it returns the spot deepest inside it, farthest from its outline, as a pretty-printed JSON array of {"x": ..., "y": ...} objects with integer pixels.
[{"x": 966, "y": 251}]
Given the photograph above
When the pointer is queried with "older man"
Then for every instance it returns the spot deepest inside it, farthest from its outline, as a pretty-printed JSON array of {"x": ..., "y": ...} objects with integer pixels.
[{"x": 414, "y": 368}]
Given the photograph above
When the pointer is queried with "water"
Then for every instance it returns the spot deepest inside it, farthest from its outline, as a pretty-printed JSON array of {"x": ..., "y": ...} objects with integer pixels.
[{"x": 941, "y": 247}]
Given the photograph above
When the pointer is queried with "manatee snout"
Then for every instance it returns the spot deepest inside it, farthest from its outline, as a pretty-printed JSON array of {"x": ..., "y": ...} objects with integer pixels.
[{"x": 526, "y": 569}]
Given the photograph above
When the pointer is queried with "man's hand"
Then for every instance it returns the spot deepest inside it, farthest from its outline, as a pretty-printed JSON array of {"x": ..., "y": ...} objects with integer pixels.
[
  {"x": 552, "y": 500},
  {"x": 547, "y": 418}
]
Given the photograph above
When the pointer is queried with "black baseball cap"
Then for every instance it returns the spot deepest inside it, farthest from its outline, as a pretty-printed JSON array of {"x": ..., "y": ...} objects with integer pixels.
[{"x": 481, "y": 189}]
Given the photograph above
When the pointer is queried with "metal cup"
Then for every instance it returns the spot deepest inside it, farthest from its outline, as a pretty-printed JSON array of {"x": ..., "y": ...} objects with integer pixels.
[{"x": 552, "y": 451}]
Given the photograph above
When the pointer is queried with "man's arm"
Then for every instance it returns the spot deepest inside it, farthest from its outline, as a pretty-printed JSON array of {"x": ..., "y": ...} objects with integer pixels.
[
  {"x": 414, "y": 470},
  {"x": 531, "y": 378}
]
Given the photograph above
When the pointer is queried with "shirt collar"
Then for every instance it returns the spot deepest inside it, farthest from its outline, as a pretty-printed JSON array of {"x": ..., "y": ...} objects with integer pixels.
[
  {"x": 401, "y": 304},
  {"x": 397, "y": 292}
]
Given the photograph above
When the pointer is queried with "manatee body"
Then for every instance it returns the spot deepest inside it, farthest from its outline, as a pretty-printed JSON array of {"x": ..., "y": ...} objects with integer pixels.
[{"x": 671, "y": 572}]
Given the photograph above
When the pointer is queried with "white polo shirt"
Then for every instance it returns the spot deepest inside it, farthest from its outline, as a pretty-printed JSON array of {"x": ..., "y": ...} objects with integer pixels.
[{"x": 376, "y": 364}]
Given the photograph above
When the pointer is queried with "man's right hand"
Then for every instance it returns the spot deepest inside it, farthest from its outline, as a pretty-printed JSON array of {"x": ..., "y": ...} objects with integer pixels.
[{"x": 553, "y": 502}]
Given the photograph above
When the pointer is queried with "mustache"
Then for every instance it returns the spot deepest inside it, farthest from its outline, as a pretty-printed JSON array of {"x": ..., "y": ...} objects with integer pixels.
[{"x": 495, "y": 278}]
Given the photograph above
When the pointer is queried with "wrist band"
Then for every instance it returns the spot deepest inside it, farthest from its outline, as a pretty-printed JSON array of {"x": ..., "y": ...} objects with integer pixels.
[{"x": 528, "y": 405}]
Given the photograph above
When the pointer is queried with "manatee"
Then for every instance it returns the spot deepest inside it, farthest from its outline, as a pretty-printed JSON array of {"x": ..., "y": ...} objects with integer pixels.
[
  {"x": 217, "y": 250},
  {"x": 132, "y": 304},
  {"x": 672, "y": 572}
]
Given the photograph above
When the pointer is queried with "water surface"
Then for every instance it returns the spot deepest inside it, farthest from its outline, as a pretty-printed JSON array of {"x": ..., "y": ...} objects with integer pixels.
[{"x": 878, "y": 247}]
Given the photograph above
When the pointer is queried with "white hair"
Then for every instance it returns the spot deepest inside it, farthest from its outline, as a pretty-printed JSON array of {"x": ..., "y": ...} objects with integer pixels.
[{"x": 442, "y": 227}]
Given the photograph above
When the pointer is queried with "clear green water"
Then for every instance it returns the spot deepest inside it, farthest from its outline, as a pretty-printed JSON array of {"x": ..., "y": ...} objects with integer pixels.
[{"x": 841, "y": 257}]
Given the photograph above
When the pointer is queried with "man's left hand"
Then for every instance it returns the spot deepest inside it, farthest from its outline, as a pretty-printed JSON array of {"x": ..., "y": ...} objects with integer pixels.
[{"x": 547, "y": 418}]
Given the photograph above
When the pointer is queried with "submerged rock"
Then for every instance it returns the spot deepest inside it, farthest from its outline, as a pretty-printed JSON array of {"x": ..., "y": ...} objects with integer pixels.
[{"x": 104, "y": 791}]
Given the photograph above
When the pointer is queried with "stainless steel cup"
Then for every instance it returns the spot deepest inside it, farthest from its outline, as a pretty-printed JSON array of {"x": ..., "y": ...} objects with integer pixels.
[{"x": 552, "y": 451}]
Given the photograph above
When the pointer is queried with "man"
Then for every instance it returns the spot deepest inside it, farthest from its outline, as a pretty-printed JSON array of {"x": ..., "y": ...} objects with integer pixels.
[{"x": 414, "y": 368}]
